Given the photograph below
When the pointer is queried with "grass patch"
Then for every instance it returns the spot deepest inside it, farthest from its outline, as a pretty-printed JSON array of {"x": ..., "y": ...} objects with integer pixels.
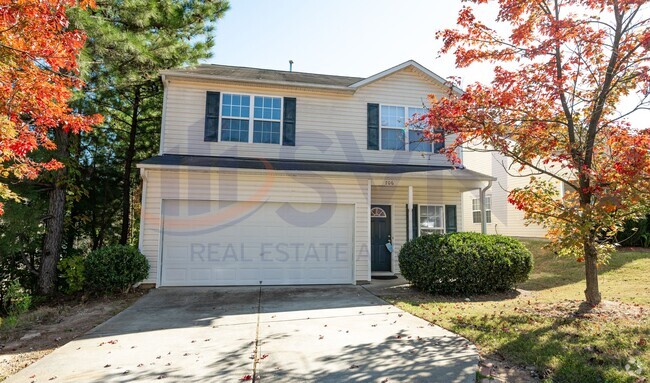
[{"x": 544, "y": 325}]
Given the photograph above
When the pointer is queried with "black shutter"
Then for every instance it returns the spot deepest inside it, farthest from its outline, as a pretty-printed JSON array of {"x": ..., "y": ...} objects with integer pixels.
[
  {"x": 408, "y": 224},
  {"x": 416, "y": 221},
  {"x": 289, "y": 122},
  {"x": 373, "y": 126},
  {"x": 450, "y": 219},
  {"x": 211, "y": 132},
  {"x": 413, "y": 225}
]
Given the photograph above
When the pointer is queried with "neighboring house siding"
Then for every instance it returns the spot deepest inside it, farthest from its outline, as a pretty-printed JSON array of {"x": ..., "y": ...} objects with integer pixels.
[
  {"x": 397, "y": 198},
  {"x": 330, "y": 126},
  {"x": 506, "y": 219},
  {"x": 253, "y": 186}
]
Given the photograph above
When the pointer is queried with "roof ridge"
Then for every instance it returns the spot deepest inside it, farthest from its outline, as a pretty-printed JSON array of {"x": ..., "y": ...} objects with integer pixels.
[{"x": 266, "y": 69}]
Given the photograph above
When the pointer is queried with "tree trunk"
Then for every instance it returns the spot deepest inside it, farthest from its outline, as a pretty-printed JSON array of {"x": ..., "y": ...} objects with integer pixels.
[
  {"x": 128, "y": 163},
  {"x": 592, "y": 293},
  {"x": 54, "y": 223}
]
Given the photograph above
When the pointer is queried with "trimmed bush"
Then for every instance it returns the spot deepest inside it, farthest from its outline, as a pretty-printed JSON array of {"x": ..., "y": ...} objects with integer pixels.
[
  {"x": 114, "y": 269},
  {"x": 465, "y": 263}
]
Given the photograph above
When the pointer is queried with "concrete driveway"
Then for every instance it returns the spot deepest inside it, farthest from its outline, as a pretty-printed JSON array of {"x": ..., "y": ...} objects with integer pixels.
[{"x": 269, "y": 334}]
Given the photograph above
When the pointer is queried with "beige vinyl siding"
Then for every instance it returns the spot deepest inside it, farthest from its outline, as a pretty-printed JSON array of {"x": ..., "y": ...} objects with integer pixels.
[
  {"x": 397, "y": 198},
  {"x": 330, "y": 125},
  {"x": 506, "y": 219},
  {"x": 252, "y": 186}
]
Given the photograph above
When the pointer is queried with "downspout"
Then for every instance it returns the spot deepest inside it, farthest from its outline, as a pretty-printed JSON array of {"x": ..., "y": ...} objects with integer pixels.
[
  {"x": 143, "y": 199},
  {"x": 165, "y": 82},
  {"x": 410, "y": 214},
  {"x": 483, "y": 215}
]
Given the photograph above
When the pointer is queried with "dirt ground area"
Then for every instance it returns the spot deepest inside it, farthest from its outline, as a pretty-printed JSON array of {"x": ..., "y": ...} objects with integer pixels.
[{"x": 41, "y": 331}]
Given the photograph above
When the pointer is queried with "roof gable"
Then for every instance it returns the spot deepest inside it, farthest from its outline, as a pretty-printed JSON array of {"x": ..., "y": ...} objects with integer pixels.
[{"x": 407, "y": 64}]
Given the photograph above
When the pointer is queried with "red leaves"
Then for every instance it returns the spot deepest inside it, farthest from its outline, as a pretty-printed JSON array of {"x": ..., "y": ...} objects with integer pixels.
[
  {"x": 554, "y": 108},
  {"x": 246, "y": 378},
  {"x": 36, "y": 78}
]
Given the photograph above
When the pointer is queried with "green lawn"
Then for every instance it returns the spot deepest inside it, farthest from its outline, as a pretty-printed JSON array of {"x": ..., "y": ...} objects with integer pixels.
[{"x": 540, "y": 326}]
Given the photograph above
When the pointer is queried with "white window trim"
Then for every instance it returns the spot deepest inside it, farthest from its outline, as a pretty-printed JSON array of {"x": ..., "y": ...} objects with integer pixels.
[
  {"x": 479, "y": 209},
  {"x": 444, "y": 229},
  {"x": 251, "y": 119},
  {"x": 405, "y": 130}
]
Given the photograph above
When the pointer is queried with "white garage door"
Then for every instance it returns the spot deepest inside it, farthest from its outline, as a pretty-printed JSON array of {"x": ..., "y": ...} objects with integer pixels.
[{"x": 215, "y": 243}]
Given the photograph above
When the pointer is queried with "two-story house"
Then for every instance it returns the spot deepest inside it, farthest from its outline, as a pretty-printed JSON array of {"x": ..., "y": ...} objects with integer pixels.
[{"x": 273, "y": 177}]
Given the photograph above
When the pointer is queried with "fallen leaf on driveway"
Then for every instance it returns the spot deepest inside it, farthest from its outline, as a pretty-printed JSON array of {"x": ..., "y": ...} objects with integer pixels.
[
  {"x": 107, "y": 366},
  {"x": 354, "y": 366},
  {"x": 246, "y": 378}
]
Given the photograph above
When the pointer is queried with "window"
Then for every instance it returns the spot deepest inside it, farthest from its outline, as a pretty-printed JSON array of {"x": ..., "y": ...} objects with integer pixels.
[
  {"x": 392, "y": 127},
  {"x": 432, "y": 219},
  {"x": 476, "y": 210},
  {"x": 377, "y": 212},
  {"x": 238, "y": 126},
  {"x": 398, "y": 134},
  {"x": 417, "y": 142},
  {"x": 235, "y": 117}
]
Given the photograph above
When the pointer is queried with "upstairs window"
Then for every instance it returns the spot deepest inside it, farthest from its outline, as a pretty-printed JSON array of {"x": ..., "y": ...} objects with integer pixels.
[
  {"x": 476, "y": 210},
  {"x": 245, "y": 118},
  {"x": 392, "y": 127},
  {"x": 417, "y": 142},
  {"x": 267, "y": 118},
  {"x": 400, "y": 132},
  {"x": 235, "y": 117}
]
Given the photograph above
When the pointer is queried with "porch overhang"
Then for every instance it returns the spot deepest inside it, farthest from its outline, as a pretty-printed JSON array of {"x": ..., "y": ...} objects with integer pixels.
[{"x": 380, "y": 174}]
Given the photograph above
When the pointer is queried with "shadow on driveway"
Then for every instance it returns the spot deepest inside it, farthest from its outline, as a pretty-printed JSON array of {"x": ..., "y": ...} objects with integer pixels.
[{"x": 276, "y": 334}]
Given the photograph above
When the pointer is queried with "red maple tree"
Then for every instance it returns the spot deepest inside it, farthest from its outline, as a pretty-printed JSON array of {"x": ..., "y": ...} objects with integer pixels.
[
  {"x": 38, "y": 68},
  {"x": 566, "y": 77}
]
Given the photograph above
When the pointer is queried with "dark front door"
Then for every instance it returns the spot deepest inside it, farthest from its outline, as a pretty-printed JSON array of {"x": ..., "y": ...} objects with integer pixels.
[{"x": 380, "y": 256}]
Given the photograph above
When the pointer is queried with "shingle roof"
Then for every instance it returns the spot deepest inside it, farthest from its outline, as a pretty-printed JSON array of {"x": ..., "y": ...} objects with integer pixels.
[{"x": 256, "y": 74}]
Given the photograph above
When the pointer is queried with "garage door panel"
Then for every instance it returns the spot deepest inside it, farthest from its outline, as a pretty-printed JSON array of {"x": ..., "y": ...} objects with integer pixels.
[{"x": 226, "y": 243}]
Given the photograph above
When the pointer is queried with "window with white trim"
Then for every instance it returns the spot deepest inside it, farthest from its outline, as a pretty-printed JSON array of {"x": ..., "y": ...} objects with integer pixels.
[
  {"x": 417, "y": 141},
  {"x": 476, "y": 209},
  {"x": 432, "y": 219},
  {"x": 397, "y": 126},
  {"x": 236, "y": 123},
  {"x": 392, "y": 127}
]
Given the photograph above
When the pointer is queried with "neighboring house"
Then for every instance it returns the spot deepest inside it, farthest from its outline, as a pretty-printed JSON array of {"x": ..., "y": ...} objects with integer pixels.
[
  {"x": 501, "y": 216},
  {"x": 273, "y": 177}
]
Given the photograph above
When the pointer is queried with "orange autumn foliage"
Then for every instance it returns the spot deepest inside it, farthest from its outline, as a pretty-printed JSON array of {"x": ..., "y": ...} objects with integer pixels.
[
  {"x": 38, "y": 73},
  {"x": 567, "y": 74}
]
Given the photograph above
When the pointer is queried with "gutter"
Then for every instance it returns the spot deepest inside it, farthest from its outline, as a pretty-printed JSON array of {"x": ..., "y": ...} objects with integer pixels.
[{"x": 337, "y": 88}]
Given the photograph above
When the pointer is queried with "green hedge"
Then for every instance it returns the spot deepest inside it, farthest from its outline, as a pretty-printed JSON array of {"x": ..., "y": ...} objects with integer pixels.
[
  {"x": 114, "y": 269},
  {"x": 465, "y": 263}
]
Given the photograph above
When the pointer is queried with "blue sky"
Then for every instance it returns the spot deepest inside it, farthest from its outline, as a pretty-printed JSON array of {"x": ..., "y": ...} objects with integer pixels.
[
  {"x": 352, "y": 37},
  {"x": 346, "y": 37}
]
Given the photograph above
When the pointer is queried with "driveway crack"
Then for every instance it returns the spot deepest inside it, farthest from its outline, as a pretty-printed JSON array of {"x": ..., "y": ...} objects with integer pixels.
[{"x": 256, "y": 354}]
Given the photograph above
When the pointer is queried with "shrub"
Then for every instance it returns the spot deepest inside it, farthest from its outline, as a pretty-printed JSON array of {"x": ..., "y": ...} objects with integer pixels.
[
  {"x": 465, "y": 263},
  {"x": 635, "y": 233},
  {"x": 17, "y": 300},
  {"x": 72, "y": 272},
  {"x": 115, "y": 269}
]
